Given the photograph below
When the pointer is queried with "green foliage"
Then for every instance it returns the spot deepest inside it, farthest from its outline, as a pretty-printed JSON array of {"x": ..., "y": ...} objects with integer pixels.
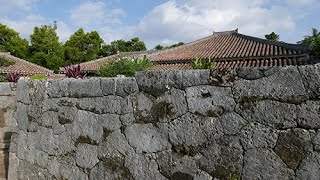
[
  {"x": 200, "y": 63},
  {"x": 272, "y": 37},
  {"x": 4, "y": 62},
  {"x": 124, "y": 66},
  {"x": 3, "y": 78},
  {"x": 10, "y": 41},
  {"x": 176, "y": 45},
  {"x": 45, "y": 47},
  {"x": 313, "y": 41},
  {"x": 159, "y": 47},
  {"x": 123, "y": 46},
  {"x": 82, "y": 47},
  {"x": 38, "y": 76}
]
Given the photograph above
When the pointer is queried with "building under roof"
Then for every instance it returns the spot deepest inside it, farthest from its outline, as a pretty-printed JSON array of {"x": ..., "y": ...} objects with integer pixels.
[
  {"x": 231, "y": 49},
  {"x": 22, "y": 67}
]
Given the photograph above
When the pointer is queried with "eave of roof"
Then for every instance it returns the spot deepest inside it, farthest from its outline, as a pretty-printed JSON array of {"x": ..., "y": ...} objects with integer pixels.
[
  {"x": 229, "y": 45},
  {"x": 22, "y": 67}
]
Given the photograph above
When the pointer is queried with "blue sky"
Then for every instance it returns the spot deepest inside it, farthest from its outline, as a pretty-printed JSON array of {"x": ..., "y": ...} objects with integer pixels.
[{"x": 164, "y": 21}]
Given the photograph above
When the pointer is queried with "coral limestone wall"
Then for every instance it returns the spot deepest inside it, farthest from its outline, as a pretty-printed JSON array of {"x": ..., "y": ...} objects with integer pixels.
[
  {"x": 7, "y": 124},
  {"x": 247, "y": 124}
]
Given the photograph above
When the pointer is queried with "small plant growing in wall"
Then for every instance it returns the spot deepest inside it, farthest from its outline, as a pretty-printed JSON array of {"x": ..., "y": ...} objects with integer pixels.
[
  {"x": 199, "y": 63},
  {"x": 38, "y": 76},
  {"x": 74, "y": 72},
  {"x": 13, "y": 77}
]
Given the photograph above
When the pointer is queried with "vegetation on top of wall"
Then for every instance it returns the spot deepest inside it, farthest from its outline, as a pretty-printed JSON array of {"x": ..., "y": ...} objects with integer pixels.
[
  {"x": 13, "y": 77},
  {"x": 5, "y": 62},
  {"x": 199, "y": 63},
  {"x": 313, "y": 41},
  {"x": 74, "y": 72},
  {"x": 124, "y": 66},
  {"x": 38, "y": 76}
]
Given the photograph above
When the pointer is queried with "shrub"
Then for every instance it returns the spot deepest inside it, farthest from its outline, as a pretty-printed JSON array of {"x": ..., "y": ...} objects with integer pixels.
[
  {"x": 199, "y": 63},
  {"x": 38, "y": 76},
  {"x": 13, "y": 77},
  {"x": 124, "y": 66},
  {"x": 4, "y": 62},
  {"x": 3, "y": 78},
  {"x": 74, "y": 72}
]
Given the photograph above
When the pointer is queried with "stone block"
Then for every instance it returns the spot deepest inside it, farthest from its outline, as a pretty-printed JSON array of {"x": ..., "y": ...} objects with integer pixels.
[
  {"x": 79, "y": 88},
  {"x": 309, "y": 115},
  {"x": 271, "y": 113},
  {"x": 5, "y": 89},
  {"x": 310, "y": 167},
  {"x": 311, "y": 79},
  {"x": 210, "y": 100},
  {"x": 264, "y": 164},
  {"x": 256, "y": 135},
  {"x": 86, "y": 155},
  {"x": 108, "y": 86},
  {"x": 158, "y": 82},
  {"x": 126, "y": 86},
  {"x": 286, "y": 86},
  {"x": 146, "y": 138}
]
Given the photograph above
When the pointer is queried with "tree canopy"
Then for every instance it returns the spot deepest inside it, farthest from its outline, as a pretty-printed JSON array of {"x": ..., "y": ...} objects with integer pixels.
[
  {"x": 82, "y": 47},
  {"x": 160, "y": 47},
  {"x": 313, "y": 41},
  {"x": 124, "y": 46},
  {"x": 45, "y": 48},
  {"x": 10, "y": 41},
  {"x": 272, "y": 37}
]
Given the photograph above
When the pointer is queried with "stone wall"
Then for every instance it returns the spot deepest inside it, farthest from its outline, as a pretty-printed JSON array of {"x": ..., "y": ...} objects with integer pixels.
[
  {"x": 181, "y": 125},
  {"x": 7, "y": 124}
]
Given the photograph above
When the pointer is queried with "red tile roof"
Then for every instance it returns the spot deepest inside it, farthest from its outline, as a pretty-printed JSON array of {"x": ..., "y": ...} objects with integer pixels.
[
  {"x": 231, "y": 49},
  {"x": 22, "y": 67},
  {"x": 237, "y": 63}
]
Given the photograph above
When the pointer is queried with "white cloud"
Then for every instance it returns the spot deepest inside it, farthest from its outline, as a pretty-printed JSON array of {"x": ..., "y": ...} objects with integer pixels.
[
  {"x": 187, "y": 20},
  {"x": 26, "y": 26},
  {"x": 95, "y": 14},
  {"x": 16, "y": 5}
]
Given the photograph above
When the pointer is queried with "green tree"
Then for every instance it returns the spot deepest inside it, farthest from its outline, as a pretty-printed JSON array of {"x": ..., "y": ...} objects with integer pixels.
[
  {"x": 176, "y": 45},
  {"x": 10, "y": 41},
  {"x": 45, "y": 48},
  {"x": 159, "y": 47},
  {"x": 124, "y": 66},
  {"x": 124, "y": 46},
  {"x": 82, "y": 47},
  {"x": 272, "y": 37},
  {"x": 313, "y": 41}
]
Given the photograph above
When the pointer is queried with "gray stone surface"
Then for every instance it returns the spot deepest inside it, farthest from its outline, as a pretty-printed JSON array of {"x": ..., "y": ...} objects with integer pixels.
[
  {"x": 309, "y": 115},
  {"x": 210, "y": 100},
  {"x": 256, "y": 135},
  {"x": 126, "y": 86},
  {"x": 265, "y": 164},
  {"x": 5, "y": 89},
  {"x": 157, "y": 82},
  {"x": 146, "y": 138},
  {"x": 84, "y": 88},
  {"x": 311, "y": 79},
  {"x": 286, "y": 85},
  {"x": 86, "y": 155},
  {"x": 309, "y": 167},
  {"x": 263, "y": 124},
  {"x": 271, "y": 113}
]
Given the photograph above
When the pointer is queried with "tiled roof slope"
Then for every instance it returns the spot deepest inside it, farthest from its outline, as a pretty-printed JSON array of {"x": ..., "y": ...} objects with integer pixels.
[
  {"x": 93, "y": 66},
  {"x": 230, "y": 45},
  {"x": 238, "y": 63},
  {"x": 22, "y": 67}
]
